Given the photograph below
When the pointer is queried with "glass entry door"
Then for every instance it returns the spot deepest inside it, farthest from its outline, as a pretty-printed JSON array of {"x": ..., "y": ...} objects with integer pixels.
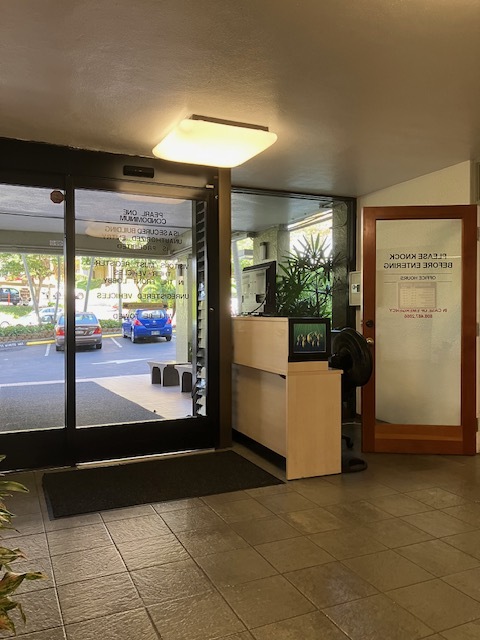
[
  {"x": 141, "y": 369},
  {"x": 104, "y": 333},
  {"x": 419, "y": 317}
]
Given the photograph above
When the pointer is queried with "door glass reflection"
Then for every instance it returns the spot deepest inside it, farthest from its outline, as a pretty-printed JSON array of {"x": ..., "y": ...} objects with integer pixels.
[
  {"x": 32, "y": 374},
  {"x": 135, "y": 308}
]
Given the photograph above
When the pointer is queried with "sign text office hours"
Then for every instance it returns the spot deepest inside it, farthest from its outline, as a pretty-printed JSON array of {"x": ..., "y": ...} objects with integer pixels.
[{"x": 419, "y": 299}]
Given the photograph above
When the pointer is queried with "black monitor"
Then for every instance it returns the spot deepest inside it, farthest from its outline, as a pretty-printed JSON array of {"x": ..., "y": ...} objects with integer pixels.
[
  {"x": 258, "y": 289},
  {"x": 309, "y": 339}
]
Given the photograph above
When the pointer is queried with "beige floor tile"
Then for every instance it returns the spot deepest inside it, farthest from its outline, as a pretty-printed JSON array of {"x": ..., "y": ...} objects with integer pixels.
[
  {"x": 82, "y": 565},
  {"x": 395, "y": 533},
  {"x": 33, "y": 546},
  {"x": 50, "y": 634},
  {"x": 469, "y": 631},
  {"x": 358, "y": 513},
  {"x": 127, "y": 512},
  {"x": 468, "y": 513},
  {"x": 293, "y": 553},
  {"x": 264, "y": 530},
  {"x": 468, "y": 542},
  {"x": 97, "y": 598},
  {"x": 41, "y": 610},
  {"x": 72, "y": 521},
  {"x": 387, "y": 570},
  {"x": 44, "y": 565},
  {"x": 438, "y": 558},
  {"x": 191, "y": 519},
  {"x": 170, "y": 582},
  {"x": 137, "y": 529},
  {"x": 132, "y": 625},
  {"x": 347, "y": 543},
  {"x": 239, "y": 510},
  {"x": 399, "y": 504},
  {"x": 24, "y": 526},
  {"x": 437, "y": 604},
  {"x": 203, "y": 542},
  {"x": 313, "y": 520},
  {"x": 270, "y": 490},
  {"x": 437, "y": 498},
  {"x": 438, "y": 523},
  {"x": 330, "y": 584},
  {"x": 264, "y": 601},
  {"x": 152, "y": 551},
  {"x": 177, "y": 505},
  {"x": 78, "y": 539},
  {"x": 311, "y": 626},
  {"x": 195, "y": 618},
  {"x": 235, "y": 567},
  {"x": 377, "y": 618},
  {"x": 284, "y": 502},
  {"x": 323, "y": 493},
  {"x": 220, "y": 498},
  {"x": 466, "y": 581}
]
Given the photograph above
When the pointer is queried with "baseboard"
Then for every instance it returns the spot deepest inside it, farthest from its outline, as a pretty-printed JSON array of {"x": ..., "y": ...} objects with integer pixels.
[{"x": 275, "y": 458}]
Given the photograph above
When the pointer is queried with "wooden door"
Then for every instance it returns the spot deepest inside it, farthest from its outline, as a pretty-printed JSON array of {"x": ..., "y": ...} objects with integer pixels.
[{"x": 419, "y": 316}]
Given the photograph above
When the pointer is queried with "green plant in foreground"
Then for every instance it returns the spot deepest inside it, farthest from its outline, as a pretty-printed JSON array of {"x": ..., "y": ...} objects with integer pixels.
[{"x": 10, "y": 581}]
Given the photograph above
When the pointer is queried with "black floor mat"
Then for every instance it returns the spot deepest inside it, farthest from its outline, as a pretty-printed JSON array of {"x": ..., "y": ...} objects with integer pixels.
[
  {"x": 79, "y": 491},
  {"x": 43, "y": 407}
]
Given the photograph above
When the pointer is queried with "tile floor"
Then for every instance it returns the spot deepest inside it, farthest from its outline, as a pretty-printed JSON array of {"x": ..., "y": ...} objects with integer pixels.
[{"x": 391, "y": 553}]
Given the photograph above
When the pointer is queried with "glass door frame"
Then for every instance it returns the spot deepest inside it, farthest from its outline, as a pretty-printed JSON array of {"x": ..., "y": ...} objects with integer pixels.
[
  {"x": 429, "y": 439},
  {"x": 67, "y": 446},
  {"x": 120, "y": 441}
]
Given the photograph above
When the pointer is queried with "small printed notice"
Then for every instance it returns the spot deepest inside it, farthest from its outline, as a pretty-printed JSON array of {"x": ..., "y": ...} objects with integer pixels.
[{"x": 416, "y": 295}]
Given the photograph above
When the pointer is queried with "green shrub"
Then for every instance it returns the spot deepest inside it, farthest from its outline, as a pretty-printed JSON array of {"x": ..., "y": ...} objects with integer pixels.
[
  {"x": 17, "y": 312},
  {"x": 111, "y": 324},
  {"x": 9, "y": 580},
  {"x": 30, "y": 331}
]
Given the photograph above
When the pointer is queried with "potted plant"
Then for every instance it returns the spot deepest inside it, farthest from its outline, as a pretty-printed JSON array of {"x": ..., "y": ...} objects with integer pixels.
[
  {"x": 9, "y": 580},
  {"x": 305, "y": 280}
]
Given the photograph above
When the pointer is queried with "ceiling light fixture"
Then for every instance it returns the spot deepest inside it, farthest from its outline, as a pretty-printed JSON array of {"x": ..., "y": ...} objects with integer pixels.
[{"x": 214, "y": 143}]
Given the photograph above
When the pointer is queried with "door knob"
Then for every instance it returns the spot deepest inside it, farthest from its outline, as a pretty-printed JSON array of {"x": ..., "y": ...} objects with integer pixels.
[{"x": 370, "y": 341}]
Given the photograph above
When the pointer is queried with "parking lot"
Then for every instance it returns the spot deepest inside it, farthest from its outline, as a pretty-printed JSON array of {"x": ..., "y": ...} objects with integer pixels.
[{"x": 113, "y": 385}]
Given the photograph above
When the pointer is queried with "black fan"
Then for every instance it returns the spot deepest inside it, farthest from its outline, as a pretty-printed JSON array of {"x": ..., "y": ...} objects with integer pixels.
[{"x": 351, "y": 354}]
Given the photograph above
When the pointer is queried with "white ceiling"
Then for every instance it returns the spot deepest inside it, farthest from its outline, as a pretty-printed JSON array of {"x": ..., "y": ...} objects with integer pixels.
[{"x": 362, "y": 93}]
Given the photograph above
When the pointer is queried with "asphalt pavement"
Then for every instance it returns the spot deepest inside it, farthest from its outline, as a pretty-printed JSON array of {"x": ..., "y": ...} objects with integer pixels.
[{"x": 119, "y": 356}]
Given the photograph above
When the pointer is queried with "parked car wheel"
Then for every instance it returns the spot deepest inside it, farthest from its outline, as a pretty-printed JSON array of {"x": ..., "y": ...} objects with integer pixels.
[
  {"x": 168, "y": 338},
  {"x": 98, "y": 346},
  {"x": 132, "y": 336},
  {"x": 57, "y": 348}
]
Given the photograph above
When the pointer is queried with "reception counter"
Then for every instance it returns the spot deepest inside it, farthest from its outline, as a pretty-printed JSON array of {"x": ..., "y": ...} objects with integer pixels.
[{"x": 292, "y": 408}]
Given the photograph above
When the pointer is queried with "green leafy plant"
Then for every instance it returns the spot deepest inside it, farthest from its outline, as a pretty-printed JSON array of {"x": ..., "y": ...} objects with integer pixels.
[
  {"x": 9, "y": 580},
  {"x": 305, "y": 280}
]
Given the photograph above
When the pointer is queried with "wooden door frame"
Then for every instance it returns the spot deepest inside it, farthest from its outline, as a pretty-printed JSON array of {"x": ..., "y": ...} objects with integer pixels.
[{"x": 440, "y": 439}]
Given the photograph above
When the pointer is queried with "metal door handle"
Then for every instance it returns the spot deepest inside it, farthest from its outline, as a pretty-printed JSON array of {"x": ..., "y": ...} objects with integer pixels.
[{"x": 370, "y": 341}]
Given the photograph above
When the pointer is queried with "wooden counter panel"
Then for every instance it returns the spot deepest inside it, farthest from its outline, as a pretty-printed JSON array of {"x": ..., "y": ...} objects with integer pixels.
[
  {"x": 261, "y": 343},
  {"x": 259, "y": 407},
  {"x": 314, "y": 424}
]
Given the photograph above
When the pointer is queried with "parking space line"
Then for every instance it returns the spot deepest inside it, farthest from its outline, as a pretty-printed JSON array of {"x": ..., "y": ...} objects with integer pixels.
[
  {"x": 47, "y": 350},
  {"x": 120, "y": 346}
]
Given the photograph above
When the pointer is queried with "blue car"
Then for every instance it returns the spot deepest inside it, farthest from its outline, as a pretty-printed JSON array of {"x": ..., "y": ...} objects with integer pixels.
[{"x": 145, "y": 324}]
